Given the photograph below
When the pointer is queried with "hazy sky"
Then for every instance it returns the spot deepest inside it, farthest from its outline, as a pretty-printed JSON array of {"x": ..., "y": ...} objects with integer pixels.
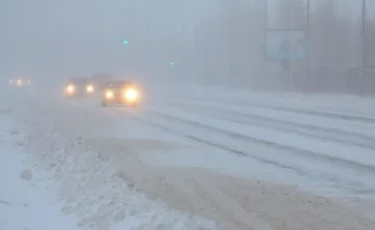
[
  {"x": 81, "y": 35},
  {"x": 57, "y": 37}
]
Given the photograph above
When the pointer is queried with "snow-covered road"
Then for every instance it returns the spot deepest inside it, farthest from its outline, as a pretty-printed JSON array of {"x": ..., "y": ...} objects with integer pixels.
[
  {"x": 344, "y": 107},
  {"x": 200, "y": 158}
]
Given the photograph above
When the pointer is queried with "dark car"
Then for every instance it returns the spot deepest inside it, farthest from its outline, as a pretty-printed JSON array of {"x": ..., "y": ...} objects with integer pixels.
[
  {"x": 100, "y": 79},
  {"x": 120, "y": 92},
  {"x": 79, "y": 87}
]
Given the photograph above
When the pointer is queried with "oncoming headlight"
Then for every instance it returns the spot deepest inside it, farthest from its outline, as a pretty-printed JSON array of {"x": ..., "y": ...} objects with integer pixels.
[
  {"x": 70, "y": 88},
  {"x": 90, "y": 88},
  {"x": 109, "y": 94},
  {"x": 131, "y": 94}
]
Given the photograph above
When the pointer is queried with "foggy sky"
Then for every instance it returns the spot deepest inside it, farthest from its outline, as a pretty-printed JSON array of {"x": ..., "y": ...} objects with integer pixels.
[
  {"x": 69, "y": 36},
  {"x": 58, "y": 38}
]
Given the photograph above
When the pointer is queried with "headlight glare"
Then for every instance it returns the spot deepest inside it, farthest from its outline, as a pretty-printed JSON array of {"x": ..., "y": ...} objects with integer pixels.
[
  {"x": 90, "y": 88},
  {"x": 70, "y": 88},
  {"x": 109, "y": 94},
  {"x": 131, "y": 94}
]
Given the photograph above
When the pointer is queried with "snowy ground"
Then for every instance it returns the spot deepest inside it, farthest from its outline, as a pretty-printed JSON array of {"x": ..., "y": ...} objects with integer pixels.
[
  {"x": 49, "y": 181},
  {"x": 329, "y": 104},
  {"x": 27, "y": 200},
  {"x": 191, "y": 161}
]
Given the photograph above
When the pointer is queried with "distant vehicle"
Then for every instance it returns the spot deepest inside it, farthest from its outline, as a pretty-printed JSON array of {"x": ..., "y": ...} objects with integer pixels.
[
  {"x": 121, "y": 93},
  {"x": 19, "y": 82},
  {"x": 100, "y": 79},
  {"x": 77, "y": 87}
]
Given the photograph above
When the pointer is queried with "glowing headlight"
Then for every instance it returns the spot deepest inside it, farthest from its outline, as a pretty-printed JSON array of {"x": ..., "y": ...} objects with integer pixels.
[
  {"x": 131, "y": 94},
  {"x": 109, "y": 94},
  {"x": 19, "y": 82},
  {"x": 90, "y": 88},
  {"x": 70, "y": 89}
]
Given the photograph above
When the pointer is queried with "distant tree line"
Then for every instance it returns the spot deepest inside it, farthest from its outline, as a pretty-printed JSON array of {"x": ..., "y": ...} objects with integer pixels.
[{"x": 229, "y": 49}]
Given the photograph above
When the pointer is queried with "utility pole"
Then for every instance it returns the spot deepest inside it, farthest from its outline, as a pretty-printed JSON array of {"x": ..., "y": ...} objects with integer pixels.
[
  {"x": 363, "y": 49},
  {"x": 290, "y": 53},
  {"x": 307, "y": 47},
  {"x": 265, "y": 51}
]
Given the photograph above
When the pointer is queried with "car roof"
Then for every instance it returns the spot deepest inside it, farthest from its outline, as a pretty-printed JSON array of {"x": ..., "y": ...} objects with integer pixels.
[
  {"x": 79, "y": 79},
  {"x": 117, "y": 83},
  {"x": 101, "y": 75}
]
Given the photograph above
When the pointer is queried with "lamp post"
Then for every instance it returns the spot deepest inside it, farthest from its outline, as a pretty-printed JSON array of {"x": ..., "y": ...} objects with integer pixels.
[
  {"x": 363, "y": 48},
  {"x": 307, "y": 47}
]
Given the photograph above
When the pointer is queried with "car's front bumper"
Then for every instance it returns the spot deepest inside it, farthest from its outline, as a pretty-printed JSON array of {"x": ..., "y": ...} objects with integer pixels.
[
  {"x": 118, "y": 101},
  {"x": 79, "y": 93}
]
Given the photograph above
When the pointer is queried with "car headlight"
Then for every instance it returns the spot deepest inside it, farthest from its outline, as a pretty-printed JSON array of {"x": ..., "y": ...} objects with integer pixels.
[
  {"x": 90, "y": 88},
  {"x": 70, "y": 88},
  {"x": 131, "y": 94},
  {"x": 109, "y": 94}
]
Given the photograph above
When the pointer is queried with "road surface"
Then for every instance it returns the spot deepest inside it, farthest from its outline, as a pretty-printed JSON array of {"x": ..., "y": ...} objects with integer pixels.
[{"x": 238, "y": 165}]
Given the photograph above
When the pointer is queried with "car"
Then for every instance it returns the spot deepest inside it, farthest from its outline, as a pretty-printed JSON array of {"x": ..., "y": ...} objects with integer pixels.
[
  {"x": 100, "y": 79},
  {"x": 79, "y": 87},
  {"x": 121, "y": 92},
  {"x": 19, "y": 82}
]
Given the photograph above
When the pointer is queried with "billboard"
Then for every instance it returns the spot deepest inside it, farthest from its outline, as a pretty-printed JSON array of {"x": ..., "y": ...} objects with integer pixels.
[{"x": 285, "y": 45}]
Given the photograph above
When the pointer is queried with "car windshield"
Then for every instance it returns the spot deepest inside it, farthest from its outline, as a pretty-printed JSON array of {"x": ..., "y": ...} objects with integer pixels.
[
  {"x": 79, "y": 81},
  {"x": 117, "y": 84}
]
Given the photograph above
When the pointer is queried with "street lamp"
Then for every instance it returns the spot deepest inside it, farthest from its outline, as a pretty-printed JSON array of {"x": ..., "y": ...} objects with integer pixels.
[
  {"x": 307, "y": 46},
  {"x": 363, "y": 48}
]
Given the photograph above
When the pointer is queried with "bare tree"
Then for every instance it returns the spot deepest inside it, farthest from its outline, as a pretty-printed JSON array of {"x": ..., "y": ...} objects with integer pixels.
[
  {"x": 228, "y": 44},
  {"x": 241, "y": 40},
  {"x": 291, "y": 14},
  {"x": 370, "y": 57},
  {"x": 332, "y": 42}
]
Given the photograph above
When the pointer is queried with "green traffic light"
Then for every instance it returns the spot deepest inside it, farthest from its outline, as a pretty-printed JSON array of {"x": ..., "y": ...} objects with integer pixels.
[
  {"x": 172, "y": 63},
  {"x": 125, "y": 42}
]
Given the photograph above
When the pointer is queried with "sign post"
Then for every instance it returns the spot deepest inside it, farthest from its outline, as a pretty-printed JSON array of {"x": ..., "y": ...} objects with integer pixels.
[{"x": 286, "y": 47}]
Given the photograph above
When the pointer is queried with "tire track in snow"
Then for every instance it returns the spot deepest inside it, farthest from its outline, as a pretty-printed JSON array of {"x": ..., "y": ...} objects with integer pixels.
[
  {"x": 219, "y": 146},
  {"x": 309, "y": 130},
  {"x": 293, "y": 110},
  {"x": 270, "y": 144},
  {"x": 349, "y": 185}
]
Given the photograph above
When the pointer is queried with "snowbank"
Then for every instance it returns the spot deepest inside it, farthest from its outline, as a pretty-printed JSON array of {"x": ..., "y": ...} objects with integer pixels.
[
  {"x": 88, "y": 186},
  {"x": 27, "y": 200},
  {"x": 99, "y": 184}
]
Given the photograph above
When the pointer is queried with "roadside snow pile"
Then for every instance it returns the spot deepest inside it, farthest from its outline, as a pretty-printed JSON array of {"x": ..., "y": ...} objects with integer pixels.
[
  {"x": 90, "y": 186},
  {"x": 25, "y": 204}
]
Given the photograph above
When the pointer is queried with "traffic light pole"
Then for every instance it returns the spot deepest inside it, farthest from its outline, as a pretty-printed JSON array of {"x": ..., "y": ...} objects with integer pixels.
[
  {"x": 265, "y": 24},
  {"x": 307, "y": 47},
  {"x": 363, "y": 49}
]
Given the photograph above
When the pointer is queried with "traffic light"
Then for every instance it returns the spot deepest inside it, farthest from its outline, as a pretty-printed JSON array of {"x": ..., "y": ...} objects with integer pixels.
[{"x": 125, "y": 42}]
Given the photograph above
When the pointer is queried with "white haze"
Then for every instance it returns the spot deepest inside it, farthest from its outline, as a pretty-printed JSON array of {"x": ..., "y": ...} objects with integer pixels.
[{"x": 210, "y": 41}]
